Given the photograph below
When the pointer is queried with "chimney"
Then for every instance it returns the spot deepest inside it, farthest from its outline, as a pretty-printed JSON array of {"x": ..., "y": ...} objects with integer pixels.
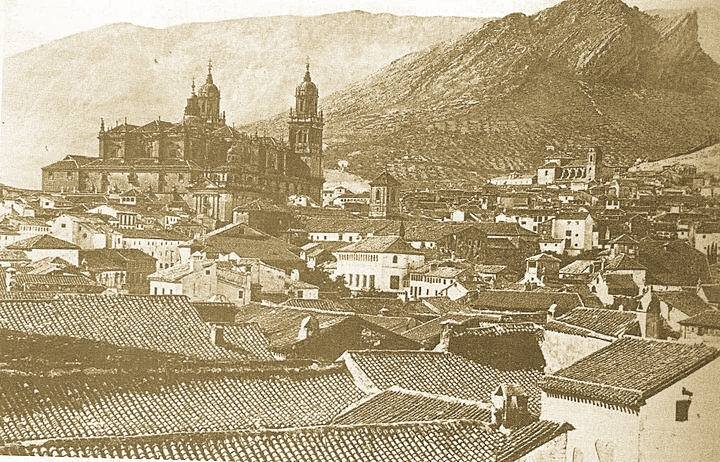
[
  {"x": 509, "y": 407},
  {"x": 217, "y": 335},
  {"x": 451, "y": 328},
  {"x": 9, "y": 278},
  {"x": 551, "y": 312},
  {"x": 308, "y": 327}
]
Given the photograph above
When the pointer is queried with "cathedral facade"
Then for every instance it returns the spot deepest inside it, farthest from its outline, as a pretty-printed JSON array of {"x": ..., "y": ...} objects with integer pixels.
[{"x": 212, "y": 164}]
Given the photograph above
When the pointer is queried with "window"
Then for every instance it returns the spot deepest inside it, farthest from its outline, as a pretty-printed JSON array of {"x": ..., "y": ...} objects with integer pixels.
[
  {"x": 394, "y": 282},
  {"x": 568, "y": 233},
  {"x": 207, "y": 271},
  {"x": 682, "y": 408},
  {"x": 63, "y": 225},
  {"x": 395, "y": 259}
]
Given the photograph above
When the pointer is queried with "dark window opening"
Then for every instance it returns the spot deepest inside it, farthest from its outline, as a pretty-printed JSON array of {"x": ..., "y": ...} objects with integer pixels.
[{"x": 682, "y": 408}]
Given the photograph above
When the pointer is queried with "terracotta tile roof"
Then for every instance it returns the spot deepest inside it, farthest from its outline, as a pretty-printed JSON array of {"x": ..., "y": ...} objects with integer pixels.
[
  {"x": 280, "y": 324},
  {"x": 343, "y": 225},
  {"x": 623, "y": 262},
  {"x": 603, "y": 321},
  {"x": 452, "y": 441},
  {"x": 380, "y": 244},
  {"x": 621, "y": 284},
  {"x": 519, "y": 300},
  {"x": 440, "y": 373},
  {"x": 153, "y": 233},
  {"x": 398, "y": 405},
  {"x": 629, "y": 371},
  {"x": 661, "y": 259},
  {"x": 709, "y": 319},
  {"x": 684, "y": 301},
  {"x": 166, "y": 324},
  {"x": 51, "y": 282},
  {"x": 42, "y": 241},
  {"x": 114, "y": 404},
  {"x": 109, "y": 259}
]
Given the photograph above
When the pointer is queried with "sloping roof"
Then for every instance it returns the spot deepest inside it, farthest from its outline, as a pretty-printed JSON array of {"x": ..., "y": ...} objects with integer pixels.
[
  {"x": 247, "y": 242},
  {"x": 108, "y": 259},
  {"x": 578, "y": 267},
  {"x": 709, "y": 319},
  {"x": 623, "y": 262},
  {"x": 398, "y": 405},
  {"x": 116, "y": 404},
  {"x": 42, "y": 241},
  {"x": 519, "y": 300},
  {"x": 684, "y": 301},
  {"x": 621, "y": 284},
  {"x": 281, "y": 325},
  {"x": 380, "y": 244},
  {"x": 154, "y": 233},
  {"x": 603, "y": 321},
  {"x": 661, "y": 260},
  {"x": 440, "y": 373},
  {"x": 629, "y": 370},
  {"x": 712, "y": 292},
  {"x": 166, "y": 323},
  {"x": 452, "y": 441},
  {"x": 55, "y": 282}
]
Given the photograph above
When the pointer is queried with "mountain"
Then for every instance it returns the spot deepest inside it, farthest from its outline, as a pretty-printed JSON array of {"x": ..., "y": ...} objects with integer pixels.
[
  {"x": 708, "y": 26},
  {"x": 582, "y": 73},
  {"x": 54, "y": 95}
]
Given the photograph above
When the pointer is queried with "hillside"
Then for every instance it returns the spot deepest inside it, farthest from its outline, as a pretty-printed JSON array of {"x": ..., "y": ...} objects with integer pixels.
[
  {"x": 584, "y": 72},
  {"x": 706, "y": 160},
  {"x": 54, "y": 95}
]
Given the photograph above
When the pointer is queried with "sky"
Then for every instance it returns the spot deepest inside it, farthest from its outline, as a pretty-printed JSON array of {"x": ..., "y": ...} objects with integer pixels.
[{"x": 29, "y": 23}]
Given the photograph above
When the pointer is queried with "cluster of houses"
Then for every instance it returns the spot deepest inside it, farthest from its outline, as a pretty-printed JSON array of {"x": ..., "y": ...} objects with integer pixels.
[{"x": 572, "y": 319}]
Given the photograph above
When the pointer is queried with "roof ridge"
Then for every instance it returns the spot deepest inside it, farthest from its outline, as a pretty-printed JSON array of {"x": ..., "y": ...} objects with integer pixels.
[{"x": 449, "y": 424}]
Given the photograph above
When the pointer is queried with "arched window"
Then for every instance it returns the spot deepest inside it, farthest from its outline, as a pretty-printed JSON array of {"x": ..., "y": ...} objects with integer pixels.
[
  {"x": 377, "y": 195},
  {"x": 395, "y": 259}
]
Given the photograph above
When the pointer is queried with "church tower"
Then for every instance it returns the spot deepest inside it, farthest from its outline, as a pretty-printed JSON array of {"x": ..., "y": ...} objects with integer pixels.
[
  {"x": 384, "y": 196},
  {"x": 208, "y": 100},
  {"x": 306, "y": 125}
]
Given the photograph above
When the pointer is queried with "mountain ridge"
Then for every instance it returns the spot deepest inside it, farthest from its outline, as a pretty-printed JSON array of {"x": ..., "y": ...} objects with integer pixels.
[{"x": 581, "y": 73}]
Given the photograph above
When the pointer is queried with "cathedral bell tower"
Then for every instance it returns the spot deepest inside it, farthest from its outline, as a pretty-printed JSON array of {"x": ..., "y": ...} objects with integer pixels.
[
  {"x": 306, "y": 125},
  {"x": 208, "y": 100}
]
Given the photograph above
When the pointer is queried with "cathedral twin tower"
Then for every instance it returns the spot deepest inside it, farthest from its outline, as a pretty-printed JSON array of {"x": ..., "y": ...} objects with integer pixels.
[{"x": 202, "y": 155}]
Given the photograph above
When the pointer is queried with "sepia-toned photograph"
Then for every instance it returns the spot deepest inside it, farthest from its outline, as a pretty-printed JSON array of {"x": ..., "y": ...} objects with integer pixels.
[{"x": 360, "y": 230}]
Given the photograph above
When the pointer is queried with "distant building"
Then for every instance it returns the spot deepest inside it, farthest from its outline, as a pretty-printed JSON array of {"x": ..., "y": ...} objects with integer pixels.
[
  {"x": 378, "y": 263},
  {"x": 384, "y": 196}
]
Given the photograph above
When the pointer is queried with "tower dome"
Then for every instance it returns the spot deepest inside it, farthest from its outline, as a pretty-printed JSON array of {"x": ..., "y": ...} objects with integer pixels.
[
  {"x": 307, "y": 87},
  {"x": 209, "y": 89}
]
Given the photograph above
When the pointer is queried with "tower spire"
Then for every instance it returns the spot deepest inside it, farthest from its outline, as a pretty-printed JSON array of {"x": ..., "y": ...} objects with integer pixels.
[
  {"x": 209, "y": 78},
  {"x": 193, "y": 86},
  {"x": 307, "y": 69}
]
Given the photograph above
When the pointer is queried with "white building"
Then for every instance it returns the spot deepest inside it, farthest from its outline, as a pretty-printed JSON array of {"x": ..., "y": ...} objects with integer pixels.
[
  {"x": 381, "y": 263},
  {"x": 575, "y": 228},
  {"x": 86, "y": 232},
  {"x": 638, "y": 400},
  {"x": 162, "y": 244}
]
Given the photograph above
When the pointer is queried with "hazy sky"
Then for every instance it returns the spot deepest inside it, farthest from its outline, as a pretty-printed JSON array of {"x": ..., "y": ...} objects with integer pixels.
[{"x": 29, "y": 23}]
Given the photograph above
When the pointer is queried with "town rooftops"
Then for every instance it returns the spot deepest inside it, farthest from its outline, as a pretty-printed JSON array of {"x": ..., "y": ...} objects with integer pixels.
[
  {"x": 709, "y": 319},
  {"x": 543, "y": 257},
  {"x": 628, "y": 371},
  {"x": 380, "y": 244},
  {"x": 623, "y": 262},
  {"x": 153, "y": 234},
  {"x": 711, "y": 292},
  {"x": 44, "y": 242},
  {"x": 452, "y": 441},
  {"x": 178, "y": 271},
  {"x": 661, "y": 260},
  {"x": 603, "y": 321}
]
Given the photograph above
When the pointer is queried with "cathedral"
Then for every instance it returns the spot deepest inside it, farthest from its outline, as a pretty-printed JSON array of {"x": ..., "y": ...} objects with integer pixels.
[{"x": 213, "y": 165}]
